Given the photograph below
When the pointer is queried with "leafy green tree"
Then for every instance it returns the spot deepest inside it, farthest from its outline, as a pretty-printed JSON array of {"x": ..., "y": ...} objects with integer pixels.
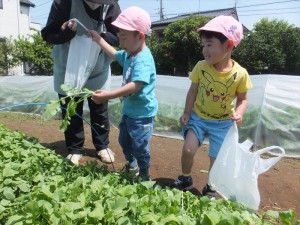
[
  {"x": 156, "y": 46},
  {"x": 180, "y": 48},
  {"x": 272, "y": 47},
  {"x": 7, "y": 61},
  {"x": 290, "y": 42},
  {"x": 36, "y": 54},
  {"x": 251, "y": 53}
]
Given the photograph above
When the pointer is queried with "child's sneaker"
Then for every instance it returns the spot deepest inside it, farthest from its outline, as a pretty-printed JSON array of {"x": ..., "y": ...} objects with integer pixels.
[
  {"x": 141, "y": 178},
  {"x": 183, "y": 183},
  {"x": 131, "y": 170},
  {"x": 208, "y": 191},
  {"x": 144, "y": 175}
]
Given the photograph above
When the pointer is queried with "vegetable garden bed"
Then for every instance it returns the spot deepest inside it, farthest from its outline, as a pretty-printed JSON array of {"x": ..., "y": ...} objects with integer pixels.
[{"x": 40, "y": 187}]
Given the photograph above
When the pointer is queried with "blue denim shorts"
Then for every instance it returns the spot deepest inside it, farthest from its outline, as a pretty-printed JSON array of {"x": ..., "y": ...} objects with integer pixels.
[{"x": 215, "y": 130}]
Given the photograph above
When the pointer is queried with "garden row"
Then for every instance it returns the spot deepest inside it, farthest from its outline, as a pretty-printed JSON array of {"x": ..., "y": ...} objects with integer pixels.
[{"x": 38, "y": 186}]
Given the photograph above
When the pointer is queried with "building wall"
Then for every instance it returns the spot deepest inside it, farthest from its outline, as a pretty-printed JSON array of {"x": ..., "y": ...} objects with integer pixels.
[
  {"x": 10, "y": 19},
  {"x": 15, "y": 23},
  {"x": 24, "y": 21}
]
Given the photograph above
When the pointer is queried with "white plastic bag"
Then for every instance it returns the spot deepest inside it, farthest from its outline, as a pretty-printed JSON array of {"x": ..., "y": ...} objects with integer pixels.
[
  {"x": 235, "y": 171},
  {"x": 82, "y": 57}
]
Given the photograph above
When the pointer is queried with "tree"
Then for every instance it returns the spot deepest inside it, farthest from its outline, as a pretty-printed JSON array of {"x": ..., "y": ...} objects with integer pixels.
[
  {"x": 160, "y": 55},
  {"x": 7, "y": 61},
  {"x": 36, "y": 54},
  {"x": 272, "y": 47},
  {"x": 180, "y": 48},
  {"x": 290, "y": 43}
]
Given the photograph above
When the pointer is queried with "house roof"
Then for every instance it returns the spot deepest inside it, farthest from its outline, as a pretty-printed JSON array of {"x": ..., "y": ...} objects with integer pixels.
[
  {"x": 26, "y": 2},
  {"x": 213, "y": 13}
]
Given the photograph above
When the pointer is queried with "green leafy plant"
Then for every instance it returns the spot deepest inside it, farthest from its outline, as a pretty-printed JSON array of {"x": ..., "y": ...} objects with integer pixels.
[
  {"x": 276, "y": 127},
  {"x": 54, "y": 106},
  {"x": 39, "y": 187}
]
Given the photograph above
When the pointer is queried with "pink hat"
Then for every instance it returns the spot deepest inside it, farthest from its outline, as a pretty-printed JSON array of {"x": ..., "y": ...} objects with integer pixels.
[
  {"x": 134, "y": 19},
  {"x": 226, "y": 25}
]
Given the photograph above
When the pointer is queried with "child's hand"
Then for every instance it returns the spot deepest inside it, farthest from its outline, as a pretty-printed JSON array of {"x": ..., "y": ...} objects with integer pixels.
[
  {"x": 99, "y": 96},
  {"x": 94, "y": 35},
  {"x": 184, "y": 119},
  {"x": 237, "y": 118}
]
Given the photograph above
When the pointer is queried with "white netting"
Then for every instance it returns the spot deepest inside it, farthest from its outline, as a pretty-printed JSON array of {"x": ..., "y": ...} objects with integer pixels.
[{"x": 272, "y": 117}]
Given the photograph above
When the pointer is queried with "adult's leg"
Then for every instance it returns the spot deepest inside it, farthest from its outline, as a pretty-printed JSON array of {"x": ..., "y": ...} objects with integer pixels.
[
  {"x": 74, "y": 135},
  {"x": 100, "y": 123}
]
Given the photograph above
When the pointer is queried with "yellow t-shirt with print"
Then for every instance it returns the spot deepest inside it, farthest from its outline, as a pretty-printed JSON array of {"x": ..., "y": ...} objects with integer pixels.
[{"x": 217, "y": 90}]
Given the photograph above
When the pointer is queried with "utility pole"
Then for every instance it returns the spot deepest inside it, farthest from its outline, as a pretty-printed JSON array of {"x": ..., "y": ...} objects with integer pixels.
[
  {"x": 19, "y": 34},
  {"x": 18, "y": 17},
  {"x": 161, "y": 15}
]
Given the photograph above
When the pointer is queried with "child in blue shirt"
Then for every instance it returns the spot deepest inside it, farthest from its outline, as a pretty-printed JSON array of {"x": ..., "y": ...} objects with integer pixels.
[{"x": 138, "y": 88}]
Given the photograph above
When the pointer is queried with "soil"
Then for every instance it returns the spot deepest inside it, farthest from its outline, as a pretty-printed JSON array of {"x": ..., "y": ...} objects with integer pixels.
[{"x": 279, "y": 187}]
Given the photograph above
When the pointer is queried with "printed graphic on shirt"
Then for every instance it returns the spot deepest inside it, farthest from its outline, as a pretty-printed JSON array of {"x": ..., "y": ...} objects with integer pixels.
[
  {"x": 127, "y": 77},
  {"x": 215, "y": 95}
]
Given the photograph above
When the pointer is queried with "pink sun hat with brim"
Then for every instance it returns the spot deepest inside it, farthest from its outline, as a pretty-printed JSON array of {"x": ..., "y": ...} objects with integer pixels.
[
  {"x": 134, "y": 19},
  {"x": 226, "y": 25}
]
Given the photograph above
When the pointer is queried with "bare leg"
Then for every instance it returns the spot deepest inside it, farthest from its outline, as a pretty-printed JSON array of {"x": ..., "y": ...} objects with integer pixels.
[
  {"x": 190, "y": 147},
  {"x": 212, "y": 160},
  {"x": 207, "y": 190}
]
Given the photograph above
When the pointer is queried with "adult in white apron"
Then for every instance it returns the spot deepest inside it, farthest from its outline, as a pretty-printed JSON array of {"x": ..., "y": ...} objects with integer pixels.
[{"x": 60, "y": 30}]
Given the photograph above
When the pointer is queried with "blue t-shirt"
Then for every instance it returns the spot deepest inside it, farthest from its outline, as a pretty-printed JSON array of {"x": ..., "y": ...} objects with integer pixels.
[{"x": 143, "y": 103}]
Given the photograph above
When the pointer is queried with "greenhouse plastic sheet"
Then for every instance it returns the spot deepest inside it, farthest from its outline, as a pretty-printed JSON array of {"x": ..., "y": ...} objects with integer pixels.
[{"x": 272, "y": 117}]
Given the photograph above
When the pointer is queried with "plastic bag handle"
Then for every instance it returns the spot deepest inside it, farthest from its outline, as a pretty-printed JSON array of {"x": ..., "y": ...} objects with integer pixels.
[
  {"x": 84, "y": 27},
  {"x": 266, "y": 164},
  {"x": 267, "y": 149}
]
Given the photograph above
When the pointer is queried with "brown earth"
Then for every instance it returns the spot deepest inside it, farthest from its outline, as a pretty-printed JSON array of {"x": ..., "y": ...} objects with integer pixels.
[{"x": 279, "y": 187}]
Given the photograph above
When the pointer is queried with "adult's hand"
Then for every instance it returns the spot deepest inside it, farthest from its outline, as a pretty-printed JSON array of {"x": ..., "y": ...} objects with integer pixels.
[{"x": 71, "y": 24}]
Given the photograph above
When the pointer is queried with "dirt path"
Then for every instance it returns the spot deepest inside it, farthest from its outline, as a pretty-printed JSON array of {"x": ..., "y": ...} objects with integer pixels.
[{"x": 279, "y": 187}]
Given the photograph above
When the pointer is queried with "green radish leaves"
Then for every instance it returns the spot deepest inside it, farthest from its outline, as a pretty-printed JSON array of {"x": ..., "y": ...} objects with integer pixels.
[{"x": 76, "y": 96}]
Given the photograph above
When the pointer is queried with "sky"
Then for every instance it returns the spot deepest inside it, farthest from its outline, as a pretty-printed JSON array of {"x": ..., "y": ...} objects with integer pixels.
[{"x": 249, "y": 11}]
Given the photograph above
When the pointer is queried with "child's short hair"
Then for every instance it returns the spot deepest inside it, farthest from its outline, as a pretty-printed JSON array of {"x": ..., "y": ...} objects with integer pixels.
[{"x": 210, "y": 34}]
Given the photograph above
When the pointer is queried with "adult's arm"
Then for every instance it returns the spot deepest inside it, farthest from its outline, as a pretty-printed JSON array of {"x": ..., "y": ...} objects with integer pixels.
[
  {"x": 59, "y": 13},
  {"x": 111, "y": 36}
]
